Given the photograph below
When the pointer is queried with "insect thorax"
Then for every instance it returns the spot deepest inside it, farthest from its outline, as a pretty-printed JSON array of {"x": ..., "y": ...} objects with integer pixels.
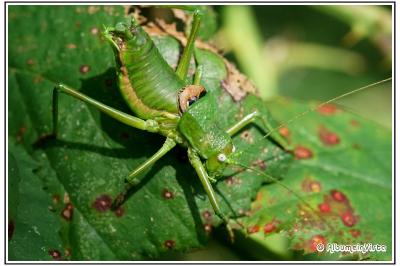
[{"x": 199, "y": 127}]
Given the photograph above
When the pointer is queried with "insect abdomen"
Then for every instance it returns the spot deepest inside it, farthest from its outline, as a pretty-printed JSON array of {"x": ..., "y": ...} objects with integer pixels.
[{"x": 154, "y": 82}]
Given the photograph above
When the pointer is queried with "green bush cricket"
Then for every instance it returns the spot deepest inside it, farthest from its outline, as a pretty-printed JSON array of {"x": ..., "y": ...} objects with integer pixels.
[{"x": 166, "y": 103}]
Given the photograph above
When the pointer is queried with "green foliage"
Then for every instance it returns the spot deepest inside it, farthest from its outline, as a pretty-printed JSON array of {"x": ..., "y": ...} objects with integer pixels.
[
  {"x": 299, "y": 58},
  {"x": 32, "y": 228},
  {"x": 346, "y": 182},
  {"x": 79, "y": 174}
]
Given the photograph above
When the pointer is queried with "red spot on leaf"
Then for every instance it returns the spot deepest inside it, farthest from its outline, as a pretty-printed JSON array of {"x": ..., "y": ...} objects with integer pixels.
[
  {"x": 348, "y": 219},
  {"x": 119, "y": 212},
  {"x": 301, "y": 152},
  {"x": 284, "y": 132},
  {"x": 67, "y": 212},
  {"x": 207, "y": 215},
  {"x": 327, "y": 109},
  {"x": 338, "y": 196},
  {"x": 260, "y": 163},
  {"x": 84, "y": 69},
  {"x": 253, "y": 229},
  {"x": 167, "y": 194},
  {"x": 269, "y": 227},
  {"x": 327, "y": 137},
  {"x": 324, "y": 207},
  {"x": 317, "y": 240},
  {"x": 94, "y": 31},
  {"x": 169, "y": 244},
  {"x": 55, "y": 254},
  {"x": 232, "y": 180},
  {"x": 309, "y": 185},
  {"x": 355, "y": 232},
  {"x": 247, "y": 136},
  {"x": 102, "y": 203}
]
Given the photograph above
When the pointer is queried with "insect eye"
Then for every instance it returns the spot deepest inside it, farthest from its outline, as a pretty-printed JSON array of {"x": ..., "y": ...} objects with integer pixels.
[{"x": 221, "y": 157}]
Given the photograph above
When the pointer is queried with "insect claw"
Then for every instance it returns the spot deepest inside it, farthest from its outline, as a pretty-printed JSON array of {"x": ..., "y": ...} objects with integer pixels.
[
  {"x": 230, "y": 233},
  {"x": 228, "y": 227},
  {"x": 118, "y": 201}
]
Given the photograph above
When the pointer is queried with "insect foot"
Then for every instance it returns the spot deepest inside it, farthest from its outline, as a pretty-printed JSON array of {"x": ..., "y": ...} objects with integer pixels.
[
  {"x": 118, "y": 201},
  {"x": 230, "y": 232}
]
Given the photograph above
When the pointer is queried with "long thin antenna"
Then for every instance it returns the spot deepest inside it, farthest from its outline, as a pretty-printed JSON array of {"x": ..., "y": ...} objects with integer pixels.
[
  {"x": 322, "y": 104},
  {"x": 275, "y": 180}
]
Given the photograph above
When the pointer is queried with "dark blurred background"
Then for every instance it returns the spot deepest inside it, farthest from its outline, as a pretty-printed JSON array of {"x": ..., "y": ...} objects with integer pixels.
[{"x": 314, "y": 52}]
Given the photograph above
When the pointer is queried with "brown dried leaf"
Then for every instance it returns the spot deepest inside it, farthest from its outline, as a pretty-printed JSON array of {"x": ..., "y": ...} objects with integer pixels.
[
  {"x": 237, "y": 84},
  {"x": 180, "y": 14}
]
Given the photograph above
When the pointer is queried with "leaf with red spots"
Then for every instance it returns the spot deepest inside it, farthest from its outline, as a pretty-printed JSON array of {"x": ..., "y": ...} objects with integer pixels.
[
  {"x": 168, "y": 211},
  {"x": 40, "y": 42},
  {"x": 33, "y": 229},
  {"x": 338, "y": 193}
]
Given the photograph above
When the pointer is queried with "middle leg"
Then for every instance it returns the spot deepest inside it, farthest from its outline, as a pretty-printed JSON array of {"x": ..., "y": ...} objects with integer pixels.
[
  {"x": 134, "y": 177},
  {"x": 250, "y": 118}
]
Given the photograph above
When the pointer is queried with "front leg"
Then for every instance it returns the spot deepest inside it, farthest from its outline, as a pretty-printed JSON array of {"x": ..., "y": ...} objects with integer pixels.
[{"x": 205, "y": 181}]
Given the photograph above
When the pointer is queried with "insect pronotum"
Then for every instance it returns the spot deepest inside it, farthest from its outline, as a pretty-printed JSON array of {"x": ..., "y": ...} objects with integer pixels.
[{"x": 164, "y": 103}]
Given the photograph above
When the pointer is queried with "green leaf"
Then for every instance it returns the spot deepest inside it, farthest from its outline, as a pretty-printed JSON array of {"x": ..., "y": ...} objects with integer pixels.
[
  {"x": 85, "y": 168},
  {"x": 13, "y": 187},
  {"x": 344, "y": 185},
  {"x": 32, "y": 228}
]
